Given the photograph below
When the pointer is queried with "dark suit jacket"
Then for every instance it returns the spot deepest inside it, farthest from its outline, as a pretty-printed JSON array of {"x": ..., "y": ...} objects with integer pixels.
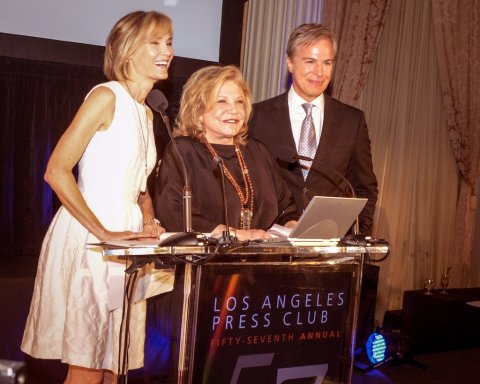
[{"x": 344, "y": 146}]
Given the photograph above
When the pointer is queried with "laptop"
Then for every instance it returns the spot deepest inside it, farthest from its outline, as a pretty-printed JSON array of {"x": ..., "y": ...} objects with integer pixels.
[{"x": 326, "y": 219}]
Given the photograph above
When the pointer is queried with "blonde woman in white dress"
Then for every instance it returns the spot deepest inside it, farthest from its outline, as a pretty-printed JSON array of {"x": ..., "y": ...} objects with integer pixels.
[{"x": 111, "y": 139}]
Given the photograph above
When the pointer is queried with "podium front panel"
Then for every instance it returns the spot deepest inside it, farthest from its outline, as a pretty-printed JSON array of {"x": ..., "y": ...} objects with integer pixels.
[
  {"x": 264, "y": 314},
  {"x": 271, "y": 323}
]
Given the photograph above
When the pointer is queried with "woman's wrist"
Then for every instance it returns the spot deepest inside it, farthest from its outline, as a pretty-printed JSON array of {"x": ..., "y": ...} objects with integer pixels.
[{"x": 152, "y": 221}]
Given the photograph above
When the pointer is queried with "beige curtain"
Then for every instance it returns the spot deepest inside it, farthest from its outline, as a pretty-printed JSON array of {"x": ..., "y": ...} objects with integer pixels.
[
  {"x": 357, "y": 26},
  {"x": 457, "y": 38},
  {"x": 269, "y": 24},
  {"x": 407, "y": 117},
  {"x": 412, "y": 155}
]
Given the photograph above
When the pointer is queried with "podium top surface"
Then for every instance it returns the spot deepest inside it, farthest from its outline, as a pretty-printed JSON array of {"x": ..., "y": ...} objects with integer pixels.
[{"x": 246, "y": 250}]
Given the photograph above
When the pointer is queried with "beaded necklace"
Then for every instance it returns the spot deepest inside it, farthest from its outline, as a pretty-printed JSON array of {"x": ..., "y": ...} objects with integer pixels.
[{"x": 246, "y": 210}]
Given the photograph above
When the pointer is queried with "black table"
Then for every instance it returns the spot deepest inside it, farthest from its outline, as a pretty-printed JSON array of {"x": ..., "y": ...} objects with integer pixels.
[{"x": 441, "y": 322}]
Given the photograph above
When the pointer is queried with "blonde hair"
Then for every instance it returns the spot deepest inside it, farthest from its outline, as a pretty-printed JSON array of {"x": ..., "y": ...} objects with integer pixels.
[
  {"x": 307, "y": 34},
  {"x": 126, "y": 36},
  {"x": 199, "y": 95}
]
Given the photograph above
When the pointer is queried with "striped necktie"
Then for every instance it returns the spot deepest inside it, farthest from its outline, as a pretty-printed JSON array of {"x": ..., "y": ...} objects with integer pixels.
[{"x": 307, "y": 145}]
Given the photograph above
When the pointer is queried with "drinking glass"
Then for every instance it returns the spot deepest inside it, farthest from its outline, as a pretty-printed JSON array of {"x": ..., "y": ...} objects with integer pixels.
[
  {"x": 429, "y": 284},
  {"x": 445, "y": 280}
]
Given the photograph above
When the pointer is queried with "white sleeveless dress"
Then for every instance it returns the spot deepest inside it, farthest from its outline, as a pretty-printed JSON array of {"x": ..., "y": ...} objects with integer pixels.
[{"x": 70, "y": 318}]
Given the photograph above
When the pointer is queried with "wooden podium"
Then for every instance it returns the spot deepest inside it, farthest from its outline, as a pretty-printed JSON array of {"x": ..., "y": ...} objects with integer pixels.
[{"x": 255, "y": 313}]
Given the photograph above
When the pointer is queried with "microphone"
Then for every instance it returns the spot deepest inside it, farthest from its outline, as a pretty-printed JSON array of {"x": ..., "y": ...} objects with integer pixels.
[
  {"x": 289, "y": 155},
  {"x": 226, "y": 236},
  {"x": 158, "y": 102}
]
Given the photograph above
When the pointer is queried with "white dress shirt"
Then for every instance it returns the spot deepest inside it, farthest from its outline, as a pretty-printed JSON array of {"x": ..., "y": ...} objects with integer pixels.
[{"x": 297, "y": 114}]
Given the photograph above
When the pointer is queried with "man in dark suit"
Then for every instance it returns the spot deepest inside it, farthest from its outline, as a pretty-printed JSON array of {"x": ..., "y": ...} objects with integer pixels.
[{"x": 340, "y": 140}]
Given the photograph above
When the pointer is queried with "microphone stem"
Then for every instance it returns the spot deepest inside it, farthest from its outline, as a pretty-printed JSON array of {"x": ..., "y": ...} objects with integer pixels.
[
  {"x": 356, "y": 228},
  {"x": 157, "y": 101},
  {"x": 187, "y": 190},
  {"x": 187, "y": 209},
  {"x": 225, "y": 206}
]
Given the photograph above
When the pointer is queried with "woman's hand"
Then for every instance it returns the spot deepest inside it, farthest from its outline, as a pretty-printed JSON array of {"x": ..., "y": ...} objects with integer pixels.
[
  {"x": 243, "y": 234},
  {"x": 251, "y": 234},
  {"x": 290, "y": 224},
  {"x": 152, "y": 230}
]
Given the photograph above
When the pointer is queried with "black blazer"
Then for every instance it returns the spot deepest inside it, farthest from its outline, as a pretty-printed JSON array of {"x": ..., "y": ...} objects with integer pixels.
[{"x": 344, "y": 146}]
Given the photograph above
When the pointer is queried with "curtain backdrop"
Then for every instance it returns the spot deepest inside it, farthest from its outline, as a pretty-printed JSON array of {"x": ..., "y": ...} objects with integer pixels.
[
  {"x": 390, "y": 65},
  {"x": 37, "y": 100},
  {"x": 357, "y": 26},
  {"x": 457, "y": 38},
  {"x": 412, "y": 155},
  {"x": 269, "y": 24}
]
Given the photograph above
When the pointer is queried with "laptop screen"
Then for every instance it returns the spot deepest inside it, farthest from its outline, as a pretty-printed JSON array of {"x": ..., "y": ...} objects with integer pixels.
[{"x": 327, "y": 217}]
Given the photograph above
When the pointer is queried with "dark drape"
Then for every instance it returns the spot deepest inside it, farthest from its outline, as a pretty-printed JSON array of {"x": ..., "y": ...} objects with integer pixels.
[{"x": 38, "y": 100}]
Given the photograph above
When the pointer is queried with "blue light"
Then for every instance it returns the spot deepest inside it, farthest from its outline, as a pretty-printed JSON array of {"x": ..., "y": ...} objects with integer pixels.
[{"x": 376, "y": 347}]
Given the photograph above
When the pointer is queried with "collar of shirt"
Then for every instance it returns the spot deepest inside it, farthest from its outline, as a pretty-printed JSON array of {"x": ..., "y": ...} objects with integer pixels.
[{"x": 297, "y": 114}]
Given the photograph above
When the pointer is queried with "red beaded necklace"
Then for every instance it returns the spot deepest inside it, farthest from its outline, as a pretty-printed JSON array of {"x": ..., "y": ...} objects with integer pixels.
[{"x": 246, "y": 211}]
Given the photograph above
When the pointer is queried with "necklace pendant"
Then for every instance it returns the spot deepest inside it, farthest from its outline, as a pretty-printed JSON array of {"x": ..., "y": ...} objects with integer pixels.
[{"x": 245, "y": 218}]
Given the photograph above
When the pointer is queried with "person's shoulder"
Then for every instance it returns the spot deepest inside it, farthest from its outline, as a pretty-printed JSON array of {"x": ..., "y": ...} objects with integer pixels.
[
  {"x": 109, "y": 86},
  {"x": 106, "y": 91},
  {"x": 254, "y": 143},
  {"x": 182, "y": 141},
  {"x": 101, "y": 96},
  {"x": 275, "y": 101},
  {"x": 186, "y": 141},
  {"x": 335, "y": 104},
  {"x": 257, "y": 147},
  {"x": 185, "y": 144}
]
